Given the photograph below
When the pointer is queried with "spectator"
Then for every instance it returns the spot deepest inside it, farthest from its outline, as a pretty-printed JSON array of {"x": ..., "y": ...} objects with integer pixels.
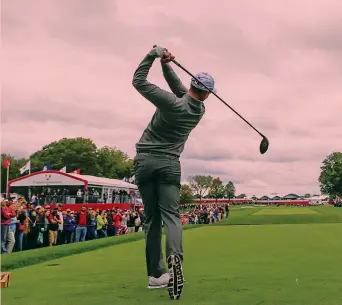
[
  {"x": 34, "y": 199},
  {"x": 19, "y": 234},
  {"x": 79, "y": 196},
  {"x": 92, "y": 225},
  {"x": 34, "y": 229},
  {"x": 117, "y": 221},
  {"x": 45, "y": 224},
  {"x": 131, "y": 221},
  {"x": 54, "y": 221},
  {"x": 137, "y": 222},
  {"x": 142, "y": 219},
  {"x": 7, "y": 212},
  {"x": 11, "y": 234},
  {"x": 60, "y": 233},
  {"x": 227, "y": 210},
  {"x": 110, "y": 224},
  {"x": 101, "y": 224},
  {"x": 81, "y": 221},
  {"x": 123, "y": 227},
  {"x": 69, "y": 226}
]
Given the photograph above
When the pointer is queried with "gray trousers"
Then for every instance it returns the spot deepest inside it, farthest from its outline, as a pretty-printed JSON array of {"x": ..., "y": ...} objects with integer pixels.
[{"x": 158, "y": 179}]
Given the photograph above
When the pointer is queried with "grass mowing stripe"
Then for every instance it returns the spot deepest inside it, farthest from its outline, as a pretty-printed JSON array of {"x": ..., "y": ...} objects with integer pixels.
[{"x": 325, "y": 214}]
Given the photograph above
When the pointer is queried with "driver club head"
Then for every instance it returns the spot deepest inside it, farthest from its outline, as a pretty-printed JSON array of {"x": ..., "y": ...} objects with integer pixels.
[{"x": 264, "y": 145}]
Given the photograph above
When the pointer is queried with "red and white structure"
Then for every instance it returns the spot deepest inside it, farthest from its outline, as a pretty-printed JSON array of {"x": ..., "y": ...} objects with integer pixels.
[{"x": 52, "y": 178}]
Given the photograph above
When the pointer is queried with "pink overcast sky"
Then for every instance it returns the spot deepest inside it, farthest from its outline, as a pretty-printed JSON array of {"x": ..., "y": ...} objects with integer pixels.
[{"x": 68, "y": 67}]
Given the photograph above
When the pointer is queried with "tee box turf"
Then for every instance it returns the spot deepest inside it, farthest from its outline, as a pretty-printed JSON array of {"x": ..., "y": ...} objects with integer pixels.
[{"x": 5, "y": 279}]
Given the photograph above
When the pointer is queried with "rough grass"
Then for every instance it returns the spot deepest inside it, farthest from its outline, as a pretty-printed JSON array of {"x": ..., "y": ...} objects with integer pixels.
[{"x": 36, "y": 256}]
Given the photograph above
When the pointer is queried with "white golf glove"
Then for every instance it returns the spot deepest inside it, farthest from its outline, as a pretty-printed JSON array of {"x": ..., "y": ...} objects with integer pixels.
[{"x": 157, "y": 51}]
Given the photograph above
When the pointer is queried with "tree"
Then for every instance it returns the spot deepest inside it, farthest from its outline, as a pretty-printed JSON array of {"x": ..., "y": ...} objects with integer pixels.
[
  {"x": 200, "y": 184},
  {"x": 241, "y": 196},
  {"x": 73, "y": 153},
  {"x": 216, "y": 189},
  {"x": 186, "y": 195},
  {"x": 113, "y": 163},
  {"x": 229, "y": 190},
  {"x": 331, "y": 175}
]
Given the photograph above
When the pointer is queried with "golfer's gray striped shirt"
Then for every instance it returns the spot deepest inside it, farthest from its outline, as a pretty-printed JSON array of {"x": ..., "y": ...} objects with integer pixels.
[{"x": 176, "y": 116}]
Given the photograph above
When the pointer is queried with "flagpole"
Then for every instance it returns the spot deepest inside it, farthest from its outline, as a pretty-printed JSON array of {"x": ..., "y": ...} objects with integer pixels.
[
  {"x": 7, "y": 180},
  {"x": 29, "y": 190}
]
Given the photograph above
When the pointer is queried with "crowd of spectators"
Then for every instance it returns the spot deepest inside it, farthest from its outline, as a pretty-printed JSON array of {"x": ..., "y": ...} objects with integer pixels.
[
  {"x": 337, "y": 203},
  {"x": 53, "y": 195},
  {"x": 25, "y": 227},
  {"x": 205, "y": 214}
]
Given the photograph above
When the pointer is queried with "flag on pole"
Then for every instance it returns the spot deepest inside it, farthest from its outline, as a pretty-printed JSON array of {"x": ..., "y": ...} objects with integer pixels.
[
  {"x": 125, "y": 179},
  {"x": 46, "y": 167},
  {"x": 7, "y": 162},
  {"x": 77, "y": 171},
  {"x": 26, "y": 167},
  {"x": 63, "y": 170}
]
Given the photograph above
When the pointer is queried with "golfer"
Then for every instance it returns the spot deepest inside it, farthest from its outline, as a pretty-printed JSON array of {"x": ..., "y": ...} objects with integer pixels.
[{"x": 157, "y": 167}]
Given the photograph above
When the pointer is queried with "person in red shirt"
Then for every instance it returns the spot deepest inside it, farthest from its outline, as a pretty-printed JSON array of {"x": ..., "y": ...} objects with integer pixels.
[
  {"x": 117, "y": 222},
  {"x": 82, "y": 220},
  {"x": 7, "y": 212}
]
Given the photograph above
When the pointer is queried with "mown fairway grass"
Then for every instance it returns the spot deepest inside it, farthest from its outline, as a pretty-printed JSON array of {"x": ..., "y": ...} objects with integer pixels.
[{"x": 224, "y": 264}]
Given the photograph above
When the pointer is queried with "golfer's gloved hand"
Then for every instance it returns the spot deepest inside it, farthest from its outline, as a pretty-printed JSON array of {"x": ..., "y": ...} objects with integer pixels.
[
  {"x": 157, "y": 51},
  {"x": 167, "y": 57}
]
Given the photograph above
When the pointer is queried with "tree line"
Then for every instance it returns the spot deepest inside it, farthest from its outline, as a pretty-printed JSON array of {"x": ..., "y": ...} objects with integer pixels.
[
  {"x": 201, "y": 186},
  {"x": 111, "y": 162},
  {"x": 74, "y": 153}
]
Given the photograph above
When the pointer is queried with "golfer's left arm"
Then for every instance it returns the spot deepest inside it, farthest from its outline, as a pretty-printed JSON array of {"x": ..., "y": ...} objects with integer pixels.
[{"x": 160, "y": 98}]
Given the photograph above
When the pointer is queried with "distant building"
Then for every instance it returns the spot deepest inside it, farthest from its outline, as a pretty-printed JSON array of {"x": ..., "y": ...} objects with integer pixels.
[{"x": 291, "y": 197}]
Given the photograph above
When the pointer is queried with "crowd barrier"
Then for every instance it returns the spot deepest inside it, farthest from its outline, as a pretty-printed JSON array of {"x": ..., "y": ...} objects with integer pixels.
[{"x": 101, "y": 206}]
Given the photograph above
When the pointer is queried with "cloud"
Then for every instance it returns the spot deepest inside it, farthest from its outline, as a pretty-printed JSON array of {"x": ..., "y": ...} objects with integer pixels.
[{"x": 68, "y": 67}]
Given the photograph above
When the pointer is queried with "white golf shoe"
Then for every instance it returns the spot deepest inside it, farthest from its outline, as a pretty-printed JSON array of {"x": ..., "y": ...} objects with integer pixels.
[{"x": 160, "y": 282}]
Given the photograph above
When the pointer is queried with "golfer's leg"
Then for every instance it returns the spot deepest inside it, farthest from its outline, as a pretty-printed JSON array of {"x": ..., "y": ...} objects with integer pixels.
[
  {"x": 169, "y": 196},
  {"x": 153, "y": 229}
]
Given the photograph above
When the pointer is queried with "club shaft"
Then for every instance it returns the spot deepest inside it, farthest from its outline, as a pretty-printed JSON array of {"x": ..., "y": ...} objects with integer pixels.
[{"x": 185, "y": 70}]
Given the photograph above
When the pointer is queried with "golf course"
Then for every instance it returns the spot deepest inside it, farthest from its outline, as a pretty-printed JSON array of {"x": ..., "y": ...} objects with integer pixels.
[{"x": 260, "y": 255}]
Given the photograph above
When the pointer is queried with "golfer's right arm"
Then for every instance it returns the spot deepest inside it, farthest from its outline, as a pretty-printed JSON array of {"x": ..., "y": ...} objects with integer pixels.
[
  {"x": 173, "y": 81},
  {"x": 160, "y": 98}
]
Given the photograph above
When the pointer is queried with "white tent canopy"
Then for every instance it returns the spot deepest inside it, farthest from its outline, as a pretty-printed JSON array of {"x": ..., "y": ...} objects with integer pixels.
[
  {"x": 56, "y": 178},
  {"x": 106, "y": 182}
]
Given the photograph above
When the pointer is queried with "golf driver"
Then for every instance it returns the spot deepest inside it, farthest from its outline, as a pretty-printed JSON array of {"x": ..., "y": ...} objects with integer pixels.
[{"x": 264, "y": 142}]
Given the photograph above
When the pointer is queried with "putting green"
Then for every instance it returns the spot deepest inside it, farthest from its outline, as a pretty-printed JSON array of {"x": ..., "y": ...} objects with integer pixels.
[
  {"x": 224, "y": 265},
  {"x": 286, "y": 211}
]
